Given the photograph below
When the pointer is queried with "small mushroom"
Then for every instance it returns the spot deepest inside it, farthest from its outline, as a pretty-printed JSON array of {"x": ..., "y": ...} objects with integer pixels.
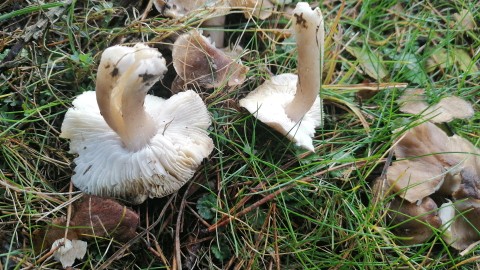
[
  {"x": 413, "y": 223},
  {"x": 68, "y": 250},
  {"x": 132, "y": 145},
  {"x": 289, "y": 103},
  {"x": 261, "y": 9},
  {"x": 197, "y": 61},
  {"x": 460, "y": 222},
  {"x": 214, "y": 16},
  {"x": 448, "y": 108}
]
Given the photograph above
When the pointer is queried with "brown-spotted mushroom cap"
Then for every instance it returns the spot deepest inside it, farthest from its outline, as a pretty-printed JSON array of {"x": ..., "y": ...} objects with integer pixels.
[
  {"x": 289, "y": 103},
  {"x": 197, "y": 61},
  {"x": 414, "y": 223},
  {"x": 129, "y": 144}
]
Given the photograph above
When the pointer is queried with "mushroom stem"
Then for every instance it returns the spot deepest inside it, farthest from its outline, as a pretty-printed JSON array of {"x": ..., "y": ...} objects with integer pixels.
[
  {"x": 309, "y": 31},
  {"x": 123, "y": 80},
  {"x": 216, "y": 35}
]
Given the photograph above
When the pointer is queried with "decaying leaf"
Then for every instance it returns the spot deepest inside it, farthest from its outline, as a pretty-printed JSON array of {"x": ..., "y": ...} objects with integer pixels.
[
  {"x": 447, "y": 109},
  {"x": 465, "y": 20},
  {"x": 442, "y": 58},
  {"x": 92, "y": 216},
  {"x": 371, "y": 62}
]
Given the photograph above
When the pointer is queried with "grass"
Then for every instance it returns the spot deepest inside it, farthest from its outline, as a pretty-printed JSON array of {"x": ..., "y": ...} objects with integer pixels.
[{"x": 284, "y": 208}]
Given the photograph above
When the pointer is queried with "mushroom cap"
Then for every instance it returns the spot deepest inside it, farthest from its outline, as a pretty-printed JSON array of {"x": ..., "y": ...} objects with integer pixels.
[
  {"x": 267, "y": 103},
  {"x": 413, "y": 222},
  {"x": 196, "y": 60},
  {"x": 254, "y": 8},
  {"x": 447, "y": 109},
  {"x": 105, "y": 167},
  {"x": 460, "y": 222},
  {"x": 434, "y": 162}
]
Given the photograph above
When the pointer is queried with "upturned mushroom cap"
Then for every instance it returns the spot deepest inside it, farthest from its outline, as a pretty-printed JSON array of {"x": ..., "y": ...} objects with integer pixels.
[
  {"x": 267, "y": 103},
  {"x": 172, "y": 137},
  {"x": 288, "y": 103},
  {"x": 197, "y": 61},
  {"x": 413, "y": 223},
  {"x": 460, "y": 222}
]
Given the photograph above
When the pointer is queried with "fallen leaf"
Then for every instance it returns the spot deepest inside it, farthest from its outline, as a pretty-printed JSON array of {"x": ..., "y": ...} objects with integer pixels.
[{"x": 371, "y": 62}]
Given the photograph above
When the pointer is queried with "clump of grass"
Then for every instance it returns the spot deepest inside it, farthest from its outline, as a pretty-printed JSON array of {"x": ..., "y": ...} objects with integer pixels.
[{"x": 258, "y": 202}]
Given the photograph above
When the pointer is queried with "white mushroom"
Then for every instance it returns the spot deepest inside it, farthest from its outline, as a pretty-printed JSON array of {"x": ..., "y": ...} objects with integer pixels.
[
  {"x": 132, "y": 145},
  {"x": 288, "y": 103},
  {"x": 68, "y": 250}
]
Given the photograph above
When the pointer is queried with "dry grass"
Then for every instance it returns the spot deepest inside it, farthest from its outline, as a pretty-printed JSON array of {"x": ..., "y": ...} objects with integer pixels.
[{"x": 258, "y": 202}]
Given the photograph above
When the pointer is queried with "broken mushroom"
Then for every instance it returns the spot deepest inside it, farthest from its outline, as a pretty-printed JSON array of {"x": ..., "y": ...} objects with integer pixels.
[
  {"x": 414, "y": 223},
  {"x": 460, "y": 222},
  {"x": 132, "y": 145},
  {"x": 197, "y": 61},
  {"x": 289, "y": 103},
  {"x": 66, "y": 251}
]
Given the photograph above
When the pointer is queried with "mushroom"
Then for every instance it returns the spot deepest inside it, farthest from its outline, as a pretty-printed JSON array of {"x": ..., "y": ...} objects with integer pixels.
[
  {"x": 66, "y": 251},
  {"x": 197, "y": 61},
  {"x": 289, "y": 103},
  {"x": 217, "y": 9},
  {"x": 413, "y": 223},
  {"x": 132, "y": 145},
  {"x": 448, "y": 108},
  {"x": 261, "y": 9},
  {"x": 433, "y": 161},
  {"x": 460, "y": 222}
]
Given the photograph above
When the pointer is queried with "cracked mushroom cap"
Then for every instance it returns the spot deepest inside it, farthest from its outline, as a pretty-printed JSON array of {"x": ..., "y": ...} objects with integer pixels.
[
  {"x": 131, "y": 145},
  {"x": 196, "y": 60},
  {"x": 414, "y": 223},
  {"x": 460, "y": 222},
  {"x": 268, "y": 102}
]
